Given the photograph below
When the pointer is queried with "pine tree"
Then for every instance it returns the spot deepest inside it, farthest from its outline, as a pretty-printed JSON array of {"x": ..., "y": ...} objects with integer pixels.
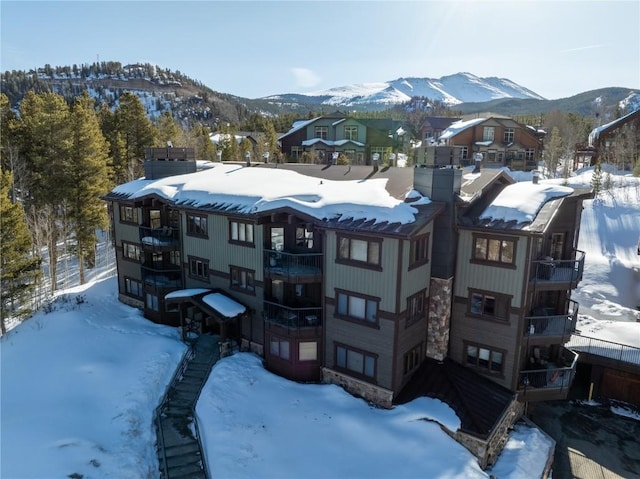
[
  {"x": 136, "y": 132},
  {"x": 19, "y": 269},
  {"x": 168, "y": 131},
  {"x": 88, "y": 179},
  {"x": 596, "y": 179}
]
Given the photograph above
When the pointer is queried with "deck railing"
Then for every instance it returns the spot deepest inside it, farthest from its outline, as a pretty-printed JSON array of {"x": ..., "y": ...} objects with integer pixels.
[
  {"x": 292, "y": 317},
  {"x": 548, "y": 270},
  {"x": 607, "y": 349},
  {"x": 159, "y": 238},
  {"x": 292, "y": 265},
  {"x": 553, "y": 376},
  {"x": 553, "y": 325}
]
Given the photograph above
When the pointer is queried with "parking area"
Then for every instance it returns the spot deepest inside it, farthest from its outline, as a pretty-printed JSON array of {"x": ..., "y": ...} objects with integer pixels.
[{"x": 592, "y": 442}]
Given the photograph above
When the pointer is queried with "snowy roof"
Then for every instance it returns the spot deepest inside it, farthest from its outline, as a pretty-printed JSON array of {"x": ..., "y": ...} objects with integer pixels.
[
  {"x": 254, "y": 190},
  {"x": 224, "y": 305},
  {"x": 520, "y": 202},
  {"x": 595, "y": 133},
  {"x": 459, "y": 126},
  {"x": 297, "y": 125},
  {"x": 185, "y": 293},
  {"x": 313, "y": 141}
]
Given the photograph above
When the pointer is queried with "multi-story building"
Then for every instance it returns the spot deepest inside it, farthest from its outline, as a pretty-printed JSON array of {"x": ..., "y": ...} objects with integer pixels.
[
  {"x": 358, "y": 275},
  {"x": 499, "y": 142},
  {"x": 358, "y": 139}
]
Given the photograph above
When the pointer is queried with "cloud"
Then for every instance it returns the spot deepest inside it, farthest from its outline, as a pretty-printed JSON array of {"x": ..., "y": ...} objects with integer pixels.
[
  {"x": 587, "y": 47},
  {"x": 305, "y": 78}
]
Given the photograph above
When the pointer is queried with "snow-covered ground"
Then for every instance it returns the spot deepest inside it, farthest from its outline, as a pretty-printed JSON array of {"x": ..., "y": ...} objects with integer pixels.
[{"x": 80, "y": 382}]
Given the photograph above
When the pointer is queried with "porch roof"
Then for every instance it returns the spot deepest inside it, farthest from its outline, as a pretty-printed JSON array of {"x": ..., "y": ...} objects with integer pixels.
[{"x": 224, "y": 305}]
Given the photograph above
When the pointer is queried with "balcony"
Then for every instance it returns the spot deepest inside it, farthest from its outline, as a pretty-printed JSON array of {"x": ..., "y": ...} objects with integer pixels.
[
  {"x": 550, "y": 381},
  {"x": 552, "y": 326},
  {"x": 550, "y": 274},
  {"x": 159, "y": 239},
  {"x": 293, "y": 267},
  {"x": 161, "y": 275},
  {"x": 292, "y": 318}
]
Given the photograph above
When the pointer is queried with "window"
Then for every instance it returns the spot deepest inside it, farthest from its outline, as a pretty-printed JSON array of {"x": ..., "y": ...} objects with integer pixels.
[
  {"x": 304, "y": 237},
  {"x": 509, "y": 135},
  {"x": 356, "y": 361},
  {"x": 240, "y": 232},
  {"x": 351, "y": 133},
  {"x": 488, "y": 305},
  {"x": 359, "y": 250},
  {"x": 412, "y": 359},
  {"x": 483, "y": 357},
  {"x": 152, "y": 302},
  {"x": 296, "y": 152},
  {"x": 530, "y": 154},
  {"x": 357, "y": 308},
  {"x": 491, "y": 157},
  {"x": 199, "y": 268},
  {"x": 128, "y": 214},
  {"x": 500, "y": 157},
  {"x": 321, "y": 132},
  {"x": 154, "y": 219},
  {"x": 500, "y": 251},
  {"x": 174, "y": 258},
  {"x": 416, "y": 307},
  {"x": 308, "y": 351},
  {"x": 464, "y": 153},
  {"x": 279, "y": 348},
  {"x": 277, "y": 239},
  {"x": 131, "y": 251},
  {"x": 488, "y": 133},
  {"x": 133, "y": 287},
  {"x": 197, "y": 225},
  {"x": 242, "y": 279},
  {"x": 419, "y": 251}
]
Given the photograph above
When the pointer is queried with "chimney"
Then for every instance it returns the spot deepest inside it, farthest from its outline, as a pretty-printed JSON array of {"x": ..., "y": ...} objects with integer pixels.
[
  {"x": 535, "y": 177},
  {"x": 477, "y": 157}
]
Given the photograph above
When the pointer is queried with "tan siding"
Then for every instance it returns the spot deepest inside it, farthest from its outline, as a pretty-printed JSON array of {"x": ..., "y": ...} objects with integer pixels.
[
  {"x": 381, "y": 284},
  {"x": 418, "y": 278},
  {"x": 489, "y": 278},
  {"x": 377, "y": 341},
  {"x": 408, "y": 338}
]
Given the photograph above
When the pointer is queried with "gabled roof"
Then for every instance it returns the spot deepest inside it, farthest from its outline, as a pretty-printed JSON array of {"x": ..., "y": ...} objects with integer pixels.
[
  {"x": 607, "y": 128},
  {"x": 298, "y": 125},
  {"x": 460, "y": 126},
  {"x": 313, "y": 141},
  {"x": 478, "y": 402}
]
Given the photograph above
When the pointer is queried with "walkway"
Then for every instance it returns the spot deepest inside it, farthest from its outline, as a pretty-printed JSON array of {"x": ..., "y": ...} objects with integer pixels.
[{"x": 179, "y": 448}]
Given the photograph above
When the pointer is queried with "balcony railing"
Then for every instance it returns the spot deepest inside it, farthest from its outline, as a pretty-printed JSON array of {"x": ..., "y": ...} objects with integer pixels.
[
  {"x": 553, "y": 375},
  {"x": 550, "y": 271},
  {"x": 292, "y": 266},
  {"x": 553, "y": 325},
  {"x": 159, "y": 239},
  {"x": 292, "y": 317},
  {"x": 599, "y": 347},
  {"x": 161, "y": 275}
]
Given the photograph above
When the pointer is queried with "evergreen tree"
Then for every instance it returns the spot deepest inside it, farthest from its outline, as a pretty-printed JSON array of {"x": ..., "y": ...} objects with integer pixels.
[
  {"x": 596, "y": 179},
  {"x": 553, "y": 152},
  {"x": 136, "y": 133},
  {"x": 88, "y": 180},
  {"x": 168, "y": 131},
  {"x": 19, "y": 269}
]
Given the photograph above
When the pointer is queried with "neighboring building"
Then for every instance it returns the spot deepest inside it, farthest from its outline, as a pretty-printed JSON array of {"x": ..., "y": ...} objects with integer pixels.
[
  {"x": 500, "y": 141},
  {"x": 363, "y": 277},
  {"x": 433, "y": 127},
  {"x": 356, "y": 138},
  {"x": 603, "y": 140}
]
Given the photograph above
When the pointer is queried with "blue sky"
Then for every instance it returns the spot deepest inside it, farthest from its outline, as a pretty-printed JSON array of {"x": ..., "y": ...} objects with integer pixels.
[{"x": 257, "y": 48}]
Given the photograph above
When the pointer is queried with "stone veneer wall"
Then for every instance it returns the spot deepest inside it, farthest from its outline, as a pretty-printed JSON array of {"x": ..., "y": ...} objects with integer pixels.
[
  {"x": 256, "y": 348},
  {"x": 487, "y": 451},
  {"x": 129, "y": 301},
  {"x": 375, "y": 394},
  {"x": 440, "y": 296}
]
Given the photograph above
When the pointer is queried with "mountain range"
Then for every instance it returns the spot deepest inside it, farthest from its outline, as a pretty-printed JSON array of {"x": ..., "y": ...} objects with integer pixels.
[{"x": 189, "y": 100}]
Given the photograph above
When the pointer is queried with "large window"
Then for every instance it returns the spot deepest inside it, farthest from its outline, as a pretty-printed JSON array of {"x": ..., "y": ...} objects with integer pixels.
[
  {"x": 464, "y": 153},
  {"x": 242, "y": 279},
  {"x": 416, "y": 307},
  {"x": 509, "y": 135},
  {"x": 419, "y": 251},
  {"x": 240, "y": 232},
  {"x": 133, "y": 287},
  {"x": 356, "y": 307},
  {"x": 498, "y": 251},
  {"x": 488, "y": 305},
  {"x": 360, "y": 251},
  {"x": 131, "y": 251},
  {"x": 351, "y": 133},
  {"x": 280, "y": 348},
  {"x": 199, "y": 268},
  {"x": 530, "y": 154},
  {"x": 304, "y": 237},
  {"x": 128, "y": 214},
  {"x": 152, "y": 302},
  {"x": 484, "y": 358},
  {"x": 356, "y": 361},
  {"x": 488, "y": 133},
  {"x": 412, "y": 359},
  {"x": 197, "y": 225},
  {"x": 321, "y": 132}
]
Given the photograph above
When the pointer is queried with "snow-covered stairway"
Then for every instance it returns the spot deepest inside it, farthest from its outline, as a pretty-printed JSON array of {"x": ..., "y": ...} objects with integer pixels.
[{"x": 178, "y": 444}]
